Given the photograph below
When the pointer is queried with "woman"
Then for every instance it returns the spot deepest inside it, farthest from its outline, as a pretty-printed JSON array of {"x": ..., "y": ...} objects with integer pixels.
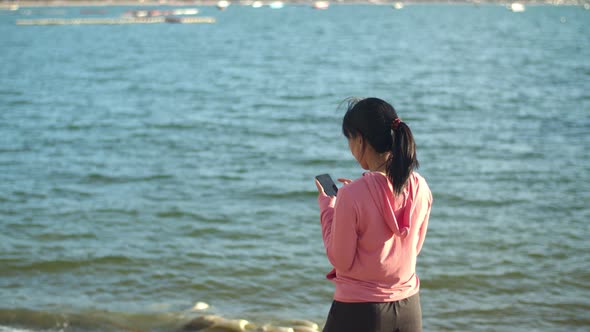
[{"x": 375, "y": 227}]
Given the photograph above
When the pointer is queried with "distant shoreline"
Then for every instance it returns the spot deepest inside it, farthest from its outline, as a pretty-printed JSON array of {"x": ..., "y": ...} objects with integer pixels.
[{"x": 110, "y": 3}]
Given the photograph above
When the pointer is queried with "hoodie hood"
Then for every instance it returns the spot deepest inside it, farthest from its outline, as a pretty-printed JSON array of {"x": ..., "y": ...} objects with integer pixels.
[{"x": 395, "y": 210}]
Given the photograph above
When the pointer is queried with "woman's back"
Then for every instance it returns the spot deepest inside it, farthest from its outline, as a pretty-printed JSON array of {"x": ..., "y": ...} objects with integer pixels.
[{"x": 388, "y": 232}]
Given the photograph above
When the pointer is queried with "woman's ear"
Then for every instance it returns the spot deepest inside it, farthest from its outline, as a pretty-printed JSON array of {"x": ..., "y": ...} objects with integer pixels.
[
  {"x": 358, "y": 139},
  {"x": 362, "y": 143},
  {"x": 362, "y": 146}
]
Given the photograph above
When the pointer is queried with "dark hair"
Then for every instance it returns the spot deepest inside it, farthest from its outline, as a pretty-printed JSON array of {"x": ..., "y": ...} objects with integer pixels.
[{"x": 373, "y": 119}]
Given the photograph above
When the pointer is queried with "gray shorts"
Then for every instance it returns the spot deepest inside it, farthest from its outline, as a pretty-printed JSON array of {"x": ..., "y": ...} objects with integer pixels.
[{"x": 399, "y": 316}]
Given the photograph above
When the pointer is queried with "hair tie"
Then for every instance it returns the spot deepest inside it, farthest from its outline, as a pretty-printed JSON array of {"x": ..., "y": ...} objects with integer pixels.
[{"x": 395, "y": 123}]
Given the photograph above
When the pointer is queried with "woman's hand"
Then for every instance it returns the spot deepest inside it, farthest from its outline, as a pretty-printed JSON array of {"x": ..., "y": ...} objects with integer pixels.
[
  {"x": 344, "y": 180},
  {"x": 320, "y": 188}
]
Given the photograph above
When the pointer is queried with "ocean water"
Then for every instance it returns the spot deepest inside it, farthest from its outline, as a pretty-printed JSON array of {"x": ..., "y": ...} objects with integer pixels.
[{"x": 147, "y": 168}]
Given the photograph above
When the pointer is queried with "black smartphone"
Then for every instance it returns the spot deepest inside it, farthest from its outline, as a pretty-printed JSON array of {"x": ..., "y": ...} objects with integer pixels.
[{"x": 328, "y": 184}]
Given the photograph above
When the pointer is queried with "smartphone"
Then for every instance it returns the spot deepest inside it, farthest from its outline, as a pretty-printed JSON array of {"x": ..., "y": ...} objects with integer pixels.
[{"x": 328, "y": 184}]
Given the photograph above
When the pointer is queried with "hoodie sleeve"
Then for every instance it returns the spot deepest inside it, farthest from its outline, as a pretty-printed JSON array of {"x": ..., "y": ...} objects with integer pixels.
[{"x": 339, "y": 231}]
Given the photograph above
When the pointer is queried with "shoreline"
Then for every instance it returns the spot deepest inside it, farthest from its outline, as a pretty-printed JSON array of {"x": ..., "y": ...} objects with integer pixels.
[{"x": 13, "y": 5}]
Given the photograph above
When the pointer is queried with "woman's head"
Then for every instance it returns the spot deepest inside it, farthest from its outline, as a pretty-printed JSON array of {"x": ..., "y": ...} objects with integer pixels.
[{"x": 377, "y": 122}]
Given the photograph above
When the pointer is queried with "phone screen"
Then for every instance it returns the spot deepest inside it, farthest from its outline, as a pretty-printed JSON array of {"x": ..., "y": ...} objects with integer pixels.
[{"x": 328, "y": 184}]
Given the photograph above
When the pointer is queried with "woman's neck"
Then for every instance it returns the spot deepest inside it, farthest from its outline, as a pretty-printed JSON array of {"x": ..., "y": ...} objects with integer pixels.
[{"x": 378, "y": 162}]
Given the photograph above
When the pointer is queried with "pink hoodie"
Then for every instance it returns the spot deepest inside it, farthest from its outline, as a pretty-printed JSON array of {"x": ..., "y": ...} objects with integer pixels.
[{"x": 372, "y": 239}]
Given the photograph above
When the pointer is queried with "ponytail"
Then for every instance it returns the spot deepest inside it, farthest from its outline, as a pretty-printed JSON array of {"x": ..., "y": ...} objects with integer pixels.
[{"x": 402, "y": 160}]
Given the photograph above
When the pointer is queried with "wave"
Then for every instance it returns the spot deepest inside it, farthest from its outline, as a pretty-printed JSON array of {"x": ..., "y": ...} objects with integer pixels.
[
  {"x": 19, "y": 102},
  {"x": 103, "y": 178},
  {"x": 288, "y": 194},
  {"x": 63, "y": 237},
  {"x": 319, "y": 162},
  {"x": 29, "y": 195},
  {"x": 109, "y": 68},
  {"x": 453, "y": 200},
  {"x": 466, "y": 282},
  {"x": 11, "y": 93},
  {"x": 14, "y": 149},
  {"x": 174, "y": 125},
  {"x": 294, "y": 97},
  {"x": 179, "y": 214},
  {"x": 63, "y": 265},
  {"x": 71, "y": 192}
]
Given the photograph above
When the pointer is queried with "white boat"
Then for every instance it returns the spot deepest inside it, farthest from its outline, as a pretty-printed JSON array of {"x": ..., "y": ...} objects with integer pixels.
[
  {"x": 398, "y": 5},
  {"x": 517, "y": 7},
  {"x": 321, "y": 5},
  {"x": 186, "y": 11},
  {"x": 223, "y": 4},
  {"x": 257, "y": 4},
  {"x": 141, "y": 13},
  {"x": 276, "y": 5}
]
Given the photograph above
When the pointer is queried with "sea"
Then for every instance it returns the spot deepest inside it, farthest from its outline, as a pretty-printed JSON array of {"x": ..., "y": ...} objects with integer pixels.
[{"x": 152, "y": 175}]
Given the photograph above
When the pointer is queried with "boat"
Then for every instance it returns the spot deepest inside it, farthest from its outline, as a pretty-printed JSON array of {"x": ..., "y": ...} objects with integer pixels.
[
  {"x": 185, "y": 11},
  {"x": 276, "y": 5},
  {"x": 517, "y": 7},
  {"x": 141, "y": 13},
  {"x": 121, "y": 20},
  {"x": 223, "y": 4},
  {"x": 321, "y": 5},
  {"x": 398, "y": 5},
  {"x": 257, "y": 4}
]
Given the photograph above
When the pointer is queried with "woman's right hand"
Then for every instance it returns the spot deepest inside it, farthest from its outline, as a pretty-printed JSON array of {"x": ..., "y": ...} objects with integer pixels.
[{"x": 345, "y": 181}]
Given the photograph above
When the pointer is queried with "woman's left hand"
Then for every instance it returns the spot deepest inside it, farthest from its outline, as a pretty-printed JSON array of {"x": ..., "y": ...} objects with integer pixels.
[{"x": 320, "y": 188}]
